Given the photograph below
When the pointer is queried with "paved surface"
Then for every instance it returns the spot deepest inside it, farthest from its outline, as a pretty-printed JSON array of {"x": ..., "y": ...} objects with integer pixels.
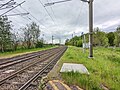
[
  {"x": 59, "y": 85},
  {"x": 68, "y": 67}
]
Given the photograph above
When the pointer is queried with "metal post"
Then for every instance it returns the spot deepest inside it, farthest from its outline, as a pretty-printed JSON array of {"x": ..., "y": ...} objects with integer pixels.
[
  {"x": 84, "y": 42},
  {"x": 59, "y": 40},
  {"x": 72, "y": 40},
  {"x": 82, "y": 34},
  {"x": 52, "y": 39},
  {"x": 43, "y": 38},
  {"x": 91, "y": 28}
]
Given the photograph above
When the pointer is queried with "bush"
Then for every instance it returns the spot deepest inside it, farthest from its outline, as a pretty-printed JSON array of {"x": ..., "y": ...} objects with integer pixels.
[{"x": 39, "y": 44}]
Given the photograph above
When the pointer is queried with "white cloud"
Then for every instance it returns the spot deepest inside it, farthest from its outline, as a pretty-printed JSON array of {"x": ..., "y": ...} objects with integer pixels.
[{"x": 67, "y": 19}]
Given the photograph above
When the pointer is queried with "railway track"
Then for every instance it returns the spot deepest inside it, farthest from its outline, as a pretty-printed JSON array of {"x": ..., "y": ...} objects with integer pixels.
[
  {"x": 11, "y": 67},
  {"x": 24, "y": 78},
  {"x": 23, "y": 56},
  {"x": 11, "y": 61}
]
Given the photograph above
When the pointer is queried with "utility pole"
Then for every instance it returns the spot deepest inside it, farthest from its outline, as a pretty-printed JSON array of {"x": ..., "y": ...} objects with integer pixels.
[
  {"x": 59, "y": 40},
  {"x": 83, "y": 42},
  {"x": 72, "y": 40},
  {"x": 52, "y": 39},
  {"x": 42, "y": 38},
  {"x": 84, "y": 39},
  {"x": 90, "y": 2},
  {"x": 52, "y": 3},
  {"x": 91, "y": 28}
]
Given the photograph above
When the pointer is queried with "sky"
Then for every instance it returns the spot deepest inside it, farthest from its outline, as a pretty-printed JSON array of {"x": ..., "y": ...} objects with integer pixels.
[{"x": 64, "y": 19}]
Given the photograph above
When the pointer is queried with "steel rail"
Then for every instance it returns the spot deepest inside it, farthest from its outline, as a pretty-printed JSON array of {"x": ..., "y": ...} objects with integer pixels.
[
  {"x": 28, "y": 66},
  {"x": 55, "y": 59},
  {"x": 25, "y": 55},
  {"x": 13, "y": 62}
]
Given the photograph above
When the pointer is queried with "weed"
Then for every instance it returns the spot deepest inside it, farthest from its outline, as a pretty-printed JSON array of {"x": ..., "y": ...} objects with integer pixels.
[{"x": 103, "y": 68}]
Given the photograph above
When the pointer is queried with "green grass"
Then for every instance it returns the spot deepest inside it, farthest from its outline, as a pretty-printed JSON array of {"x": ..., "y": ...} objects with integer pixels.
[
  {"x": 104, "y": 68},
  {"x": 22, "y": 51}
]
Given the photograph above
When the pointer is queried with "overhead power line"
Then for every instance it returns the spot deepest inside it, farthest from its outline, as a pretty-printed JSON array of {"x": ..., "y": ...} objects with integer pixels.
[
  {"x": 18, "y": 14},
  {"x": 79, "y": 14},
  {"x": 21, "y": 16},
  {"x": 6, "y": 3},
  {"x": 47, "y": 11},
  {"x": 32, "y": 16},
  {"x": 6, "y": 7},
  {"x": 28, "y": 18},
  {"x": 52, "y": 11},
  {"x": 52, "y": 3},
  {"x": 12, "y": 8},
  {"x": 54, "y": 15}
]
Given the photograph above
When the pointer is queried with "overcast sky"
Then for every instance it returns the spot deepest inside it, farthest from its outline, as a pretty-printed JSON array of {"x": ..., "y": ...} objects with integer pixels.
[{"x": 64, "y": 19}]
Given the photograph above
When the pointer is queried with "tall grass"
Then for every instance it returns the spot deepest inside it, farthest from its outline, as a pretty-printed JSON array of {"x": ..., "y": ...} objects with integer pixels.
[
  {"x": 104, "y": 68},
  {"x": 22, "y": 51}
]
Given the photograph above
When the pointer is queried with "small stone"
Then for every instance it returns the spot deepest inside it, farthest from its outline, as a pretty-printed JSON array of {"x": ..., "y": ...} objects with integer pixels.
[{"x": 8, "y": 71}]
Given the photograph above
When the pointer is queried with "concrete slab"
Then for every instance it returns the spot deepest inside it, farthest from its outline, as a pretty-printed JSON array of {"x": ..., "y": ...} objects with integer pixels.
[{"x": 68, "y": 67}]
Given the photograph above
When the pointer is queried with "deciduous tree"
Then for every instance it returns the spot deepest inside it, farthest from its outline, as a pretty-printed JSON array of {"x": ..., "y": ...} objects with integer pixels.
[{"x": 5, "y": 34}]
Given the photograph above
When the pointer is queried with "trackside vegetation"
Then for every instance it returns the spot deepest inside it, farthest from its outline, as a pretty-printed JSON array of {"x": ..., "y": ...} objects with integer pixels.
[
  {"x": 28, "y": 37},
  {"x": 24, "y": 51},
  {"x": 100, "y": 38},
  {"x": 104, "y": 68}
]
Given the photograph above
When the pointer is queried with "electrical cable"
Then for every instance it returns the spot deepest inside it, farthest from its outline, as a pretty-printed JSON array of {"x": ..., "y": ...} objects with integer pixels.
[
  {"x": 6, "y": 3},
  {"x": 80, "y": 12},
  {"x": 33, "y": 16},
  {"x": 12, "y": 8},
  {"x": 47, "y": 11},
  {"x": 22, "y": 16},
  {"x": 5, "y": 8}
]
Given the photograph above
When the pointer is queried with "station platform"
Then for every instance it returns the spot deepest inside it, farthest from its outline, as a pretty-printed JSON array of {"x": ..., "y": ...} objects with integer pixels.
[{"x": 59, "y": 85}]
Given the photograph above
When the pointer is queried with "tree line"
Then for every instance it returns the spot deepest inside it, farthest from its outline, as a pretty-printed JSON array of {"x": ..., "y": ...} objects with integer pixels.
[
  {"x": 100, "y": 38},
  {"x": 10, "y": 41}
]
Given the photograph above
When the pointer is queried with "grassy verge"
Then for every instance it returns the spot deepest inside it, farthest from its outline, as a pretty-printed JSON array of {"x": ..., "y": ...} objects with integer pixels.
[
  {"x": 104, "y": 68},
  {"x": 23, "y": 51}
]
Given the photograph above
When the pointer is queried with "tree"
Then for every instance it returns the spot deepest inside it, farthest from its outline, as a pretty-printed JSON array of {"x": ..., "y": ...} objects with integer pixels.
[
  {"x": 15, "y": 40},
  {"x": 27, "y": 37},
  {"x": 5, "y": 34},
  {"x": 31, "y": 34},
  {"x": 39, "y": 44},
  {"x": 67, "y": 42},
  {"x": 75, "y": 41},
  {"x": 79, "y": 43},
  {"x": 35, "y": 31},
  {"x": 111, "y": 38},
  {"x": 100, "y": 38},
  {"x": 117, "y": 36}
]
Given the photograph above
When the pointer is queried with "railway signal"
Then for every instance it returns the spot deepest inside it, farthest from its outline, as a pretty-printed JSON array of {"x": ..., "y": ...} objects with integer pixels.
[{"x": 52, "y": 39}]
